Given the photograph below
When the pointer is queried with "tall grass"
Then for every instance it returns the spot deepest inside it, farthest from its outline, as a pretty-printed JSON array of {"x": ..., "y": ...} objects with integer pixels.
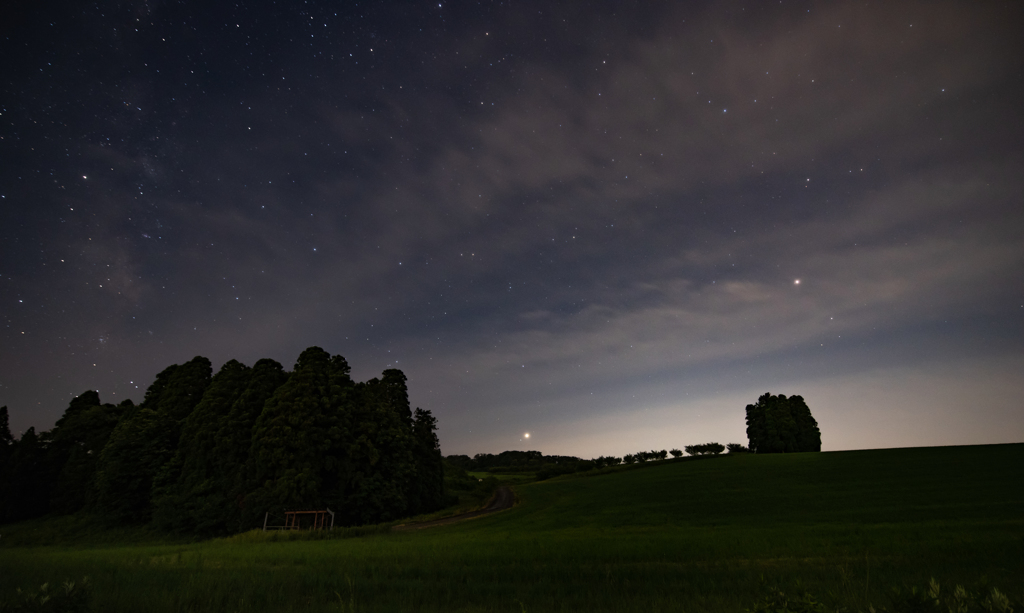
[{"x": 675, "y": 536}]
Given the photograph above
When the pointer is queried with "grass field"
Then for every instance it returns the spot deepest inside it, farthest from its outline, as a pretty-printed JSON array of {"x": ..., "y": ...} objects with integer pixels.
[{"x": 691, "y": 535}]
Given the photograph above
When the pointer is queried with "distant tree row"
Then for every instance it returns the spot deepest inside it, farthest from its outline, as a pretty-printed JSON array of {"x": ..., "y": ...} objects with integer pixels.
[
  {"x": 705, "y": 449},
  {"x": 510, "y": 461},
  {"x": 209, "y": 455},
  {"x": 548, "y": 466}
]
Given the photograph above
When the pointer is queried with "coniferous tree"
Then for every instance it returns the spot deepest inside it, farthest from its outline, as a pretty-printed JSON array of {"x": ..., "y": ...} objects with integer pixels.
[
  {"x": 7, "y": 443},
  {"x": 338, "y": 465},
  {"x": 208, "y": 468},
  {"x": 6, "y": 439},
  {"x": 131, "y": 459},
  {"x": 28, "y": 487},
  {"x": 78, "y": 440},
  {"x": 234, "y": 440},
  {"x": 6, "y": 450},
  {"x": 427, "y": 492},
  {"x": 189, "y": 493},
  {"x": 382, "y": 456},
  {"x": 145, "y": 440},
  {"x": 293, "y": 438},
  {"x": 66, "y": 439}
]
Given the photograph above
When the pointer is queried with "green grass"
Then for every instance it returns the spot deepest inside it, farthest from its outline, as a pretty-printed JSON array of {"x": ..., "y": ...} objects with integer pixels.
[{"x": 670, "y": 536}]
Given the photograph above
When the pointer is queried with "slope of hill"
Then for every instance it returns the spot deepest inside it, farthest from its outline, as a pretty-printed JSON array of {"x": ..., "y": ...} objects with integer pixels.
[{"x": 679, "y": 535}]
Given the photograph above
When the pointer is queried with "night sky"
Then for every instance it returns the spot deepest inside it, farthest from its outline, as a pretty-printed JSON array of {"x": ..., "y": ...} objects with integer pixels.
[{"x": 609, "y": 224}]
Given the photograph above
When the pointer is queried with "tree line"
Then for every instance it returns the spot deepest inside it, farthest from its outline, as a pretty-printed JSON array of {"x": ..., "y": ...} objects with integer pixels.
[
  {"x": 509, "y": 461},
  {"x": 548, "y": 466},
  {"x": 208, "y": 454}
]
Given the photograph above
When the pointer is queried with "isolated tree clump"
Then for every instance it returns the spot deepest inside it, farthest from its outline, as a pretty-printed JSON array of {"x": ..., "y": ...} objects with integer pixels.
[{"x": 777, "y": 424}]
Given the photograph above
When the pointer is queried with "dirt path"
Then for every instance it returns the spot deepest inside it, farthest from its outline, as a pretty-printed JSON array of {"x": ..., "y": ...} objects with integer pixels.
[{"x": 502, "y": 499}]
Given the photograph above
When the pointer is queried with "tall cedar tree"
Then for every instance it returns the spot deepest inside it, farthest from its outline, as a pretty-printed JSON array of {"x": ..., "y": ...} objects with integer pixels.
[
  {"x": 296, "y": 437},
  {"x": 777, "y": 424},
  {"x": 78, "y": 440},
  {"x": 27, "y": 489},
  {"x": 145, "y": 440},
  {"x": 6, "y": 451},
  {"x": 382, "y": 458},
  {"x": 210, "y": 483},
  {"x": 427, "y": 491},
  {"x": 189, "y": 492},
  {"x": 234, "y": 440}
]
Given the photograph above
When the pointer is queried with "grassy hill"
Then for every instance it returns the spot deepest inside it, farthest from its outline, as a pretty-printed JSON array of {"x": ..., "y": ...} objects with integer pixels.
[{"x": 690, "y": 535}]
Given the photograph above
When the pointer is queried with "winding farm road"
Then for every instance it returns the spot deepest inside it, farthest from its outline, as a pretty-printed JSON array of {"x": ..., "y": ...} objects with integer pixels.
[{"x": 502, "y": 499}]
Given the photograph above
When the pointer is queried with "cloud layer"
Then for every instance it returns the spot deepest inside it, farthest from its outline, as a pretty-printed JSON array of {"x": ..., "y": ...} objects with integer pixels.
[{"x": 570, "y": 220}]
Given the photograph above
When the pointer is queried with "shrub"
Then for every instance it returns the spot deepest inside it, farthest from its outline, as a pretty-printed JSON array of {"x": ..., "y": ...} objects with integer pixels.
[
  {"x": 676, "y": 453},
  {"x": 913, "y": 600},
  {"x": 69, "y": 597},
  {"x": 736, "y": 448},
  {"x": 959, "y": 601}
]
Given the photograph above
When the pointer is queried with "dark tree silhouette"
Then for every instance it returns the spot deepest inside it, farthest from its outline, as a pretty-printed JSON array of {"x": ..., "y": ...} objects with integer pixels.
[
  {"x": 145, "y": 440},
  {"x": 190, "y": 492},
  {"x": 27, "y": 492},
  {"x": 6, "y": 451},
  {"x": 210, "y": 455},
  {"x": 234, "y": 440},
  {"x": 705, "y": 449},
  {"x": 78, "y": 439},
  {"x": 382, "y": 456},
  {"x": 427, "y": 489},
  {"x": 299, "y": 441},
  {"x": 777, "y": 424}
]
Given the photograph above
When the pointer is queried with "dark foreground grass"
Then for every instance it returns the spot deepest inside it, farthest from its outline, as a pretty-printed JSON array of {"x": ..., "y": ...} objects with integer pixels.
[{"x": 676, "y": 536}]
